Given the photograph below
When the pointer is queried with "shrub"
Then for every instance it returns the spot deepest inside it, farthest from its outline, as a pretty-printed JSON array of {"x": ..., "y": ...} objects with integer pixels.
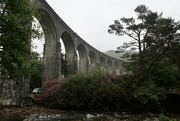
[
  {"x": 100, "y": 91},
  {"x": 96, "y": 91},
  {"x": 50, "y": 96},
  {"x": 97, "y": 74},
  {"x": 85, "y": 92},
  {"x": 36, "y": 73},
  {"x": 164, "y": 77},
  {"x": 162, "y": 117},
  {"x": 149, "y": 97},
  {"x": 114, "y": 78},
  {"x": 81, "y": 91}
]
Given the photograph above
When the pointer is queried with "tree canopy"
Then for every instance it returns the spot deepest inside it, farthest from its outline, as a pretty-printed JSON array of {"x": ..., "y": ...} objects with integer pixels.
[
  {"x": 15, "y": 37},
  {"x": 152, "y": 36}
]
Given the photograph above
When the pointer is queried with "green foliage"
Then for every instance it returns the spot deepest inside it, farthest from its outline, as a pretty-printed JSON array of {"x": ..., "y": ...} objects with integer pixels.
[
  {"x": 36, "y": 73},
  {"x": 50, "y": 95},
  {"x": 94, "y": 91},
  {"x": 165, "y": 77},
  {"x": 15, "y": 33},
  {"x": 162, "y": 117},
  {"x": 64, "y": 62},
  {"x": 76, "y": 92},
  {"x": 173, "y": 54},
  {"x": 81, "y": 91},
  {"x": 152, "y": 36},
  {"x": 149, "y": 97},
  {"x": 97, "y": 74}
]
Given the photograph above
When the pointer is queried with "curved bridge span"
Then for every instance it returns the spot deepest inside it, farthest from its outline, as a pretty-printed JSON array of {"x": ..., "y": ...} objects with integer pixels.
[{"x": 80, "y": 56}]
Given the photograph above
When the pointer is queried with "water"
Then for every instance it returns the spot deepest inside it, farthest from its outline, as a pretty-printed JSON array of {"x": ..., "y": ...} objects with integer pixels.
[
  {"x": 88, "y": 116},
  {"x": 85, "y": 116},
  {"x": 115, "y": 116}
]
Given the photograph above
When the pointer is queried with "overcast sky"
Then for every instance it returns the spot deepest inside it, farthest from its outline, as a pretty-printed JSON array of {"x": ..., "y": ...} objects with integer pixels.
[{"x": 90, "y": 18}]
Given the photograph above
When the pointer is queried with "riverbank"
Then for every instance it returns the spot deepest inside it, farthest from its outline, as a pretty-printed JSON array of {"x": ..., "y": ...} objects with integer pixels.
[
  {"x": 36, "y": 113},
  {"x": 21, "y": 112}
]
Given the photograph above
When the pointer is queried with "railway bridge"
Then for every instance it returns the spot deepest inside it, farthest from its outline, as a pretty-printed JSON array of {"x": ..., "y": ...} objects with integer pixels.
[{"x": 80, "y": 56}]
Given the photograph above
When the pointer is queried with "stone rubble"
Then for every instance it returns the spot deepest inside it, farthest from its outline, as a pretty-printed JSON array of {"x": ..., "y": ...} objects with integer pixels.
[
  {"x": 45, "y": 117},
  {"x": 34, "y": 113}
]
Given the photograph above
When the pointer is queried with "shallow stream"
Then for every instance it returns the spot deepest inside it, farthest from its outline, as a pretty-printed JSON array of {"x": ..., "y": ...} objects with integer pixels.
[{"x": 87, "y": 116}]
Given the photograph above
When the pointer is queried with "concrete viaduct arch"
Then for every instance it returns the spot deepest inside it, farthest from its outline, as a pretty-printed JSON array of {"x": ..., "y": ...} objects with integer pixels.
[{"x": 81, "y": 56}]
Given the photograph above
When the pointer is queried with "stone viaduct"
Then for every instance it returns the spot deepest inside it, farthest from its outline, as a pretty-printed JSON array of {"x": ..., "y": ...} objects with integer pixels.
[{"x": 81, "y": 56}]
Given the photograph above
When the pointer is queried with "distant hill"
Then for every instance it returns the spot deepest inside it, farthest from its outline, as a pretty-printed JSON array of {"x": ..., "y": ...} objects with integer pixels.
[{"x": 113, "y": 53}]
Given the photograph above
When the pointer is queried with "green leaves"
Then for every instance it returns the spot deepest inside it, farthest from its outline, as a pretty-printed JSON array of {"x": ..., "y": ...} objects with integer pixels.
[
  {"x": 116, "y": 28},
  {"x": 151, "y": 37},
  {"x": 15, "y": 37},
  {"x": 150, "y": 96},
  {"x": 141, "y": 9}
]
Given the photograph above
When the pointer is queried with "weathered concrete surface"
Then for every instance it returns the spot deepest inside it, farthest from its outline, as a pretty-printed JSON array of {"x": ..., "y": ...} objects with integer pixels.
[{"x": 12, "y": 93}]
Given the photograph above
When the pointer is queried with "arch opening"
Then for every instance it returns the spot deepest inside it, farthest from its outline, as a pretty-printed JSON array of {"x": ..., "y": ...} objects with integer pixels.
[
  {"x": 37, "y": 43},
  {"x": 69, "y": 53},
  {"x": 64, "y": 70},
  {"x": 83, "y": 60},
  {"x": 117, "y": 68},
  {"x": 110, "y": 66},
  {"x": 92, "y": 60},
  {"x": 103, "y": 63},
  {"x": 37, "y": 48}
]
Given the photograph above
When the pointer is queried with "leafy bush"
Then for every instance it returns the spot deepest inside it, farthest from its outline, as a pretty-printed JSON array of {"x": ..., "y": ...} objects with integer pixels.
[
  {"x": 97, "y": 90},
  {"x": 50, "y": 95},
  {"x": 165, "y": 77},
  {"x": 162, "y": 117},
  {"x": 149, "y": 97},
  {"x": 88, "y": 92},
  {"x": 36, "y": 73},
  {"x": 92, "y": 91},
  {"x": 97, "y": 74}
]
